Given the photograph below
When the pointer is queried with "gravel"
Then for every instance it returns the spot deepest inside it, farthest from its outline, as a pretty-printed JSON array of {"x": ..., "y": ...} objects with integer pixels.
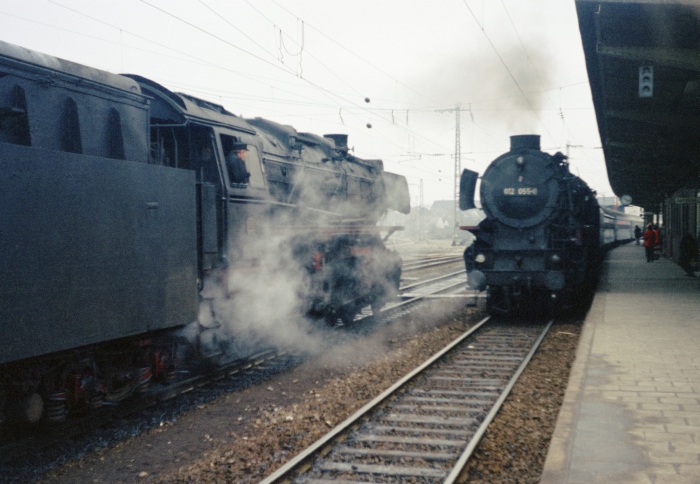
[{"x": 246, "y": 435}]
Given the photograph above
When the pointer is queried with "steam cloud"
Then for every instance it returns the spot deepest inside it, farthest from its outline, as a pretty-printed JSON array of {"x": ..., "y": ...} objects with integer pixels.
[
  {"x": 260, "y": 304},
  {"x": 264, "y": 297},
  {"x": 494, "y": 91}
]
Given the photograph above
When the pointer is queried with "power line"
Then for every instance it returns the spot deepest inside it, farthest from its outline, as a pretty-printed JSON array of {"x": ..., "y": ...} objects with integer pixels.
[
  {"x": 233, "y": 26},
  {"x": 220, "y": 39},
  {"x": 188, "y": 56},
  {"x": 363, "y": 59},
  {"x": 320, "y": 88}
]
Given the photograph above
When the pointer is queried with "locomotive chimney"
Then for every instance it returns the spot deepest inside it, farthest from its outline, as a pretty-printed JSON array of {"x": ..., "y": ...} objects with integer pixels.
[
  {"x": 341, "y": 140},
  {"x": 525, "y": 142}
]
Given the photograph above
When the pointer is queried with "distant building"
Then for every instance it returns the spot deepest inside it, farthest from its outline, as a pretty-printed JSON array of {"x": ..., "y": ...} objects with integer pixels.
[
  {"x": 612, "y": 203},
  {"x": 444, "y": 209}
]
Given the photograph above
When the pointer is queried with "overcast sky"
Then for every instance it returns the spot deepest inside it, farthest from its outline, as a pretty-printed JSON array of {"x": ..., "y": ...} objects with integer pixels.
[{"x": 514, "y": 67}]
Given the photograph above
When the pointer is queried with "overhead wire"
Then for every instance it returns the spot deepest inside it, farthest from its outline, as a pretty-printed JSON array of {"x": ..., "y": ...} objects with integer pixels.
[
  {"x": 333, "y": 95},
  {"x": 348, "y": 106},
  {"x": 191, "y": 58},
  {"x": 233, "y": 26},
  {"x": 219, "y": 38},
  {"x": 320, "y": 88},
  {"x": 388, "y": 119},
  {"x": 358, "y": 56},
  {"x": 391, "y": 121}
]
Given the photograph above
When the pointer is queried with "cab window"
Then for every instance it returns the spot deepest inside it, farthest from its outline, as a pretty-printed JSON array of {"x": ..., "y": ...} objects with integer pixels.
[
  {"x": 254, "y": 166},
  {"x": 246, "y": 173}
]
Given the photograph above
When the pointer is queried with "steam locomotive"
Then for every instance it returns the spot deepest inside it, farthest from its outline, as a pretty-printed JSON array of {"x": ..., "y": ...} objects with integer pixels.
[
  {"x": 129, "y": 231},
  {"x": 543, "y": 235}
]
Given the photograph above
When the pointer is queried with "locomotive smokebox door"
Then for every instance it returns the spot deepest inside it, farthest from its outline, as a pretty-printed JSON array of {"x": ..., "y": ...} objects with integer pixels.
[{"x": 520, "y": 188}]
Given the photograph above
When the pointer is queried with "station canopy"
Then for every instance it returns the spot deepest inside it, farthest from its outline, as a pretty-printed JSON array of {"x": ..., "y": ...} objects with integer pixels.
[{"x": 643, "y": 61}]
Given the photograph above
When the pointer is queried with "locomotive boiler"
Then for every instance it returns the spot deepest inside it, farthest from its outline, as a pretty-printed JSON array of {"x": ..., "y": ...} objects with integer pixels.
[
  {"x": 543, "y": 235},
  {"x": 127, "y": 225}
]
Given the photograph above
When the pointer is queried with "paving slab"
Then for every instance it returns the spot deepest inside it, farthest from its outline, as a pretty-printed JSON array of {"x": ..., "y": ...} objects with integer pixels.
[{"x": 631, "y": 412}]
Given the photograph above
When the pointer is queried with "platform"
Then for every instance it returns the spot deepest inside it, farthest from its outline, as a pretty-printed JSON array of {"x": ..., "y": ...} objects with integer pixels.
[{"x": 631, "y": 413}]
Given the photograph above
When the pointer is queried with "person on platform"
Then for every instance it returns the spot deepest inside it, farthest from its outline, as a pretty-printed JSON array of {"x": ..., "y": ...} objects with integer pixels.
[
  {"x": 637, "y": 233},
  {"x": 649, "y": 242},
  {"x": 689, "y": 251},
  {"x": 657, "y": 241}
]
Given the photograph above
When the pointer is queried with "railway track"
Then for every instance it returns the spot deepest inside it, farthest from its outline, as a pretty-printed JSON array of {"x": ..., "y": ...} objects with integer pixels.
[
  {"x": 444, "y": 283},
  {"x": 430, "y": 262},
  {"x": 52, "y": 443},
  {"x": 14, "y": 449},
  {"x": 449, "y": 285},
  {"x": 425, "y": 427}
]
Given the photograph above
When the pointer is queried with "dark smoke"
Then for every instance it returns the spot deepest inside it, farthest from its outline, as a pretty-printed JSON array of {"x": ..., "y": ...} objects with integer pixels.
[{"x": 494, "y": 89}]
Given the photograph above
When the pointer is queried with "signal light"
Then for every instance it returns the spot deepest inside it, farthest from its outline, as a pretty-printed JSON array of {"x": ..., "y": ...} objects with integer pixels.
[{"x": 646, "y": 81}]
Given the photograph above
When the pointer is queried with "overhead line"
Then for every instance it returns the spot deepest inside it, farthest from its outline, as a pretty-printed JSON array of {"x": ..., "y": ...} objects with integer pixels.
[
  {"x": 189, "y": 56},
  {"x": 180, "y": 19},
  {"x": 320, "y": 88},
  {"x": 323, "y": 64},
  {"x": 353, "y": 53},
  {"x": 233, "y": 26}
]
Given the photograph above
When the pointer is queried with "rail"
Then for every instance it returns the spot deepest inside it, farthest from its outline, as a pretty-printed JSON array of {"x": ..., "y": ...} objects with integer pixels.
[{"x": 427, "y": 424}]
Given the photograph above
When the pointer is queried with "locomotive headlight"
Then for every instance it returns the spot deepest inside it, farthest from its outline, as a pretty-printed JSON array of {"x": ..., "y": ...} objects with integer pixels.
[
  {"x": 520, "y": 160},
  {"x": 554, "y": 261},
  {"x": 480, "y": 258}
]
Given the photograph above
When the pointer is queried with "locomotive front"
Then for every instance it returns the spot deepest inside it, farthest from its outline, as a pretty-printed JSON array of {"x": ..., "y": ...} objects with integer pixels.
[
  {"x": 524, "y": 248},
  {"x": 520, "y": 188}
]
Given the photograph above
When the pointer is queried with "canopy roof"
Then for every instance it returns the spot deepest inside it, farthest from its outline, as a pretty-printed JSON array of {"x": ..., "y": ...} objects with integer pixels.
[{"x": 643, "y": 61}]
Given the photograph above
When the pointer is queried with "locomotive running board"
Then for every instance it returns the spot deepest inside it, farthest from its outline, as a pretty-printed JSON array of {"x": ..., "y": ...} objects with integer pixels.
[{"x": 442, "y": 296}]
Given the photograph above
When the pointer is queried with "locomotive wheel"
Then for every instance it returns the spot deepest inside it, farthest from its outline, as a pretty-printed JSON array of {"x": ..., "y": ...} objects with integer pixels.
[
  {"x": 56, "y": 407},
  {"x": 3, "y": 397},
  {"x": 33, "y": 408},
  {"x": 552, "y": 304},
  {"x": 377, "y": 306},
  {"x": 27, "y": 408},
  {"x": 347, "y": 315},
  {"x": 331, "y": 318},
  {"x": 491, "y": 300}
]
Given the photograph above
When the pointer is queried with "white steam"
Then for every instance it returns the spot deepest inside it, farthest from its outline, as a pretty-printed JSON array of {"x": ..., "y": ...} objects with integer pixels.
[{"x": 261, "y": 302}]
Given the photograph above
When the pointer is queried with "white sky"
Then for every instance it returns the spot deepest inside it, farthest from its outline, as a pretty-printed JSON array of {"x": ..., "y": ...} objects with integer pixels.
[{"x": 514, "y": 66}]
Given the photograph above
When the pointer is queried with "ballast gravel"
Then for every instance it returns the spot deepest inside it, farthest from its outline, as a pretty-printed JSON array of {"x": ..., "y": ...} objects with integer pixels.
[{"x": 245, "y": 436}]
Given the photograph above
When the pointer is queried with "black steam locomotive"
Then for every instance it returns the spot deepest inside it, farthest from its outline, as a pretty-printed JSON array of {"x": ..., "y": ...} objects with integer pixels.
[
  {"x": 129, "y": 229},
  {"x": 544, "y": 232}
]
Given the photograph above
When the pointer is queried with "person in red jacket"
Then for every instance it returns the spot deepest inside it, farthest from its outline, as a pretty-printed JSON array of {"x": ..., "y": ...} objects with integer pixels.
[
  {"x": 657, "y": 242},
  {"x": 649, "y": 242}
]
